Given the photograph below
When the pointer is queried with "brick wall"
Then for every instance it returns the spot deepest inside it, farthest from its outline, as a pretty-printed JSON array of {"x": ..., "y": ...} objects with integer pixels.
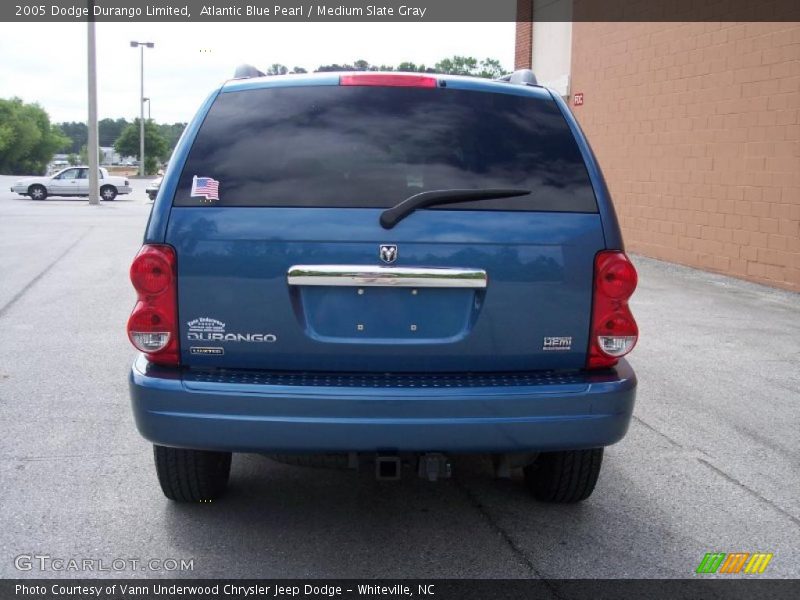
[
  {"x": 523, "y": 46},
  {"x": 697, "y": 129}
]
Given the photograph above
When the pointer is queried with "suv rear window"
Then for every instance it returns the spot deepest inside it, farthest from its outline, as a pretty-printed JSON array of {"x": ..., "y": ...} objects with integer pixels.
[{"x": 356, "y": 147}]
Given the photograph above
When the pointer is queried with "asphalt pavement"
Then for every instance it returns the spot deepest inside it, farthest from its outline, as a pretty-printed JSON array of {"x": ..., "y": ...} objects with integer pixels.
[{"x": 710, "y": 464}]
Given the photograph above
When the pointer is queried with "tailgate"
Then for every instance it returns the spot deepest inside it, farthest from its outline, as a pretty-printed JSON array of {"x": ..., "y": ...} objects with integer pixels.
[{"x": 454, "y": 299}]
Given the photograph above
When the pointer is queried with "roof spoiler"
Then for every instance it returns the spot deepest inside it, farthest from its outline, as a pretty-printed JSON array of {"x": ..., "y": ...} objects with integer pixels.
[
  {"x": 520, "y": 77},
  {"x": 246, "y": 71}
]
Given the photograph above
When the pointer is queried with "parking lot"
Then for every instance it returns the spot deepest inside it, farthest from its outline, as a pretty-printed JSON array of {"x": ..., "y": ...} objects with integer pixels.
[{"x": 711, "y": 461}]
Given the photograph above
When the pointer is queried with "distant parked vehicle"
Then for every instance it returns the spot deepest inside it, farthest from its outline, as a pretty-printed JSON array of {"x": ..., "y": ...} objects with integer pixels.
[
  {"x": 56, "y": 166},
  {"x": 73, "y": 181},
  {"x": 152, "y": 188}
]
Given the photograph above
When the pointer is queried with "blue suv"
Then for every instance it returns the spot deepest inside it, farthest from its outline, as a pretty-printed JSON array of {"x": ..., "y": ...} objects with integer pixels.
[{"x": 387, "y": 269}]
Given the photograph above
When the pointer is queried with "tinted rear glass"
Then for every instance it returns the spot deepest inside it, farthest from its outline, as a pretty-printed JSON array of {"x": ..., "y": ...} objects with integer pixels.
[{"x": 332, "y": 146}]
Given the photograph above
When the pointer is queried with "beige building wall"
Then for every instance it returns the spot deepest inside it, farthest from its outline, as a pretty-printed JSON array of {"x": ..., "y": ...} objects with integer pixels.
[{"x": 697, "y": 129}]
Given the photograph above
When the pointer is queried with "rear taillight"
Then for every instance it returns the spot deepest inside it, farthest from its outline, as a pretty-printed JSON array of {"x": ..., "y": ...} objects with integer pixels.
[
  {"x": 153, "y": 324},
  {"x": 382, "y": 79},
  {"x": 614, "y": 331}
]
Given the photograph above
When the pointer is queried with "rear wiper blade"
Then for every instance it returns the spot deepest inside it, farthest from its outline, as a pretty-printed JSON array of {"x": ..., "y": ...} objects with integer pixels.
[{"x": 392, "y": 216}]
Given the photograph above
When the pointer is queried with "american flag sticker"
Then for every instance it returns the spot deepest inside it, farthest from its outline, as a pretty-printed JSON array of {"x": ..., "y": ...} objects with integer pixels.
[{"x": 205, "y": 187}]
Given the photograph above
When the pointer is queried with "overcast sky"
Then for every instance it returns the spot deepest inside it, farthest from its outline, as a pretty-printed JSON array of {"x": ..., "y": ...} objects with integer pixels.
[{"x": 46, "y": 62}]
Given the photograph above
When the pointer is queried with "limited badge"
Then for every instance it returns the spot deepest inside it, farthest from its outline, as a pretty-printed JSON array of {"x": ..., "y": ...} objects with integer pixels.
[
  {"x": 206, "y": 188},
  {"x": 206, "y": 351}
]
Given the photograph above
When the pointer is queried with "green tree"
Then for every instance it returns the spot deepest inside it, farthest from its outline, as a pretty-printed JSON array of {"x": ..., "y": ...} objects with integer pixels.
[
  {"x": 150, "y": 165},
  {"x": 410, "y": 67},
  {"x": 155, "y": 146},
  {"x": 358, "y": 65},
  {"x": 108, "y": 130},
  {"x": 333, "y": 68},
  {"x": 277, "y": 69},
  {"x": 298, "y": 71},
  {"x": 73, "y": 159},
  {"x": 171, "y": 134},
  {"x": 27, "y": 138},
  {"x": 77, "y": 133},
  {"x": 457, "y": 65},
  {"x": 489, "y": 68}
]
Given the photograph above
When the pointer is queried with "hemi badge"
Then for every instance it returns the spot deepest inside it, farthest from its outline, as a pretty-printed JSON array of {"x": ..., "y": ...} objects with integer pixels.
[{"x": 557, "y": 343}]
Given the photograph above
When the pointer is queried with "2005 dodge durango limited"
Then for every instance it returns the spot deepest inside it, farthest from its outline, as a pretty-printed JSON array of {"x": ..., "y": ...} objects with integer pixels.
[{"x": 383, "y": 269}]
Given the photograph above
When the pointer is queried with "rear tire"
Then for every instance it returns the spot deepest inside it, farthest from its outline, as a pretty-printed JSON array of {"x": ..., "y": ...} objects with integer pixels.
[
  {"x": 564, "y": 477},
  {"x": 192, "y": 475},
  {"x": 37, "y": 192}
]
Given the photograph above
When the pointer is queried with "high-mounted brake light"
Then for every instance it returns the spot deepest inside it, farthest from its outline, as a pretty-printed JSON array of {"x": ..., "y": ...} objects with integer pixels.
[
  {"x": 153, "y": 324},
  {"x": 380, "y": 79},
  {"x": 613, "y": 332}
]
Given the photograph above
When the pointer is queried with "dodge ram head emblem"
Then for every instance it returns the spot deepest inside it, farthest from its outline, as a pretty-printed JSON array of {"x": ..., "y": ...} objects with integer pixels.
[{"x": 388, "y": 253}]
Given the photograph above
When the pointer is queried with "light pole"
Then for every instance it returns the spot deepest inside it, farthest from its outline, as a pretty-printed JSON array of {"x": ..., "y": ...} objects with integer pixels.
[
  {"x": 148, "y": 107},
  {"x": 91, "y": 142},
  {"x": 141, "y": 46}
]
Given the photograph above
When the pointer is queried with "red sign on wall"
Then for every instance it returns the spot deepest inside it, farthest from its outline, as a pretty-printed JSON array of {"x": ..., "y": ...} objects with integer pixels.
[{"x": 577, "y": 99}]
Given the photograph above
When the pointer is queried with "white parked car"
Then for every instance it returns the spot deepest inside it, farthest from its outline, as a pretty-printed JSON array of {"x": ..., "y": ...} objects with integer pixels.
[
  {"x": 152, "y": 188},
  {"x": 73, "y": 181}
]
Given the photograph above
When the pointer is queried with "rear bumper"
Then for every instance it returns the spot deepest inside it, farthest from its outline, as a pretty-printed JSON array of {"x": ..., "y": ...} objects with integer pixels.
[{"x": 252, "y": 412}]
